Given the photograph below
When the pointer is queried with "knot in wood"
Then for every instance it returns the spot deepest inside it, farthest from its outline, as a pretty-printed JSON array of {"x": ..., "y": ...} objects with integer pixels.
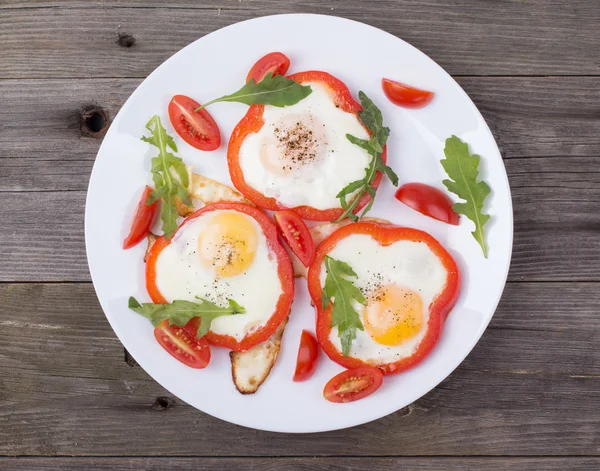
[
  {"x": 163, "y": 402},
  {"x": 94, "y": 121},
  {"x": 125, "y": 40}
]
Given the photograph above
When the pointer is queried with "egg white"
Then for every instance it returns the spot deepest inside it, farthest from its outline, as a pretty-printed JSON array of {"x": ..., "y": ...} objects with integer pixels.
[
  {"x": 180, "y": 274},
  {"x": 316, "y": 184},
  {"x": 406, "y": 263}
]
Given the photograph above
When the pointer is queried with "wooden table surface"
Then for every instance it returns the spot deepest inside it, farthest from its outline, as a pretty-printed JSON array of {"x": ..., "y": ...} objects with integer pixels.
[{"x": 526, "y": 398}]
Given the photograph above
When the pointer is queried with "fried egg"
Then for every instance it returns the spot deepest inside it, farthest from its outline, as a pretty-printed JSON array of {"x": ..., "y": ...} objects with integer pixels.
[
  {"x": 399, "y": 282},
  {"x": 221, "y": 255},
  {"x": 301, "y": 156}
]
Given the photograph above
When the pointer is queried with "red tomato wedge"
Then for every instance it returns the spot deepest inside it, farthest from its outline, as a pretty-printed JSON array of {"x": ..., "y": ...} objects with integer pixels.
[
  {"x": 274, "y": 63},
  {"x": 144, "y": 218},
  {"x": 405, "y": 95},
  {"x": 253, "y": 121},
  {"x": 182, "y": 343},
  {"x": 439, "y": 308},
  {"x": 197, "y": 128},
  {"x": 428, "y": 201},
  {"x": 308, "y": 356},
  {"x": 352, "y": 385},
  {"x": 192, "y": 326},
  {"x": 277, "y": 253},
  {"x": 296, "y": 234}
]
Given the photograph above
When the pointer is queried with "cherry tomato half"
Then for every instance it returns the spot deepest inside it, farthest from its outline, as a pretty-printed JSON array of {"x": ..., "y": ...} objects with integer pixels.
[
  {"x": 197, "y": 128},
  {"x": 405, "y": 95},
  {"x": 182, "y": 343},
  {"x": 275, "y": 63},
  {"x": 296, "y": 234},
  {"x": 145, "y": 215},
  {"x": 308, "y": 355},
  {"x": 352, "y": 385},
  {"x": 428, "y": 201}
]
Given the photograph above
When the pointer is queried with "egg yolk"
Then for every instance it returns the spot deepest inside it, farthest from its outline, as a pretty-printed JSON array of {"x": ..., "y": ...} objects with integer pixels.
[
  {"x": 228, "y": 243},
  {"x": 297, "y": 140},
  {"x": 393, "y": 314}
]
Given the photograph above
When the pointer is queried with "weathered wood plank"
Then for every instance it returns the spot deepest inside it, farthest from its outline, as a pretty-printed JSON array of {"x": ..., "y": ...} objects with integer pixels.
[
  {"x": 530, "y": 381},
  {"x": 556, "y": 236},
  {"x": 465, "y": 37},
  {"x": 42, "y": 236},
  {"x": 299, "y": 464},
  {"x": 70, "y": 313},
  {"x": 523, "y": 120},
  {"x": 471, "y": 413},
  {"x": 539, "y": 116}
]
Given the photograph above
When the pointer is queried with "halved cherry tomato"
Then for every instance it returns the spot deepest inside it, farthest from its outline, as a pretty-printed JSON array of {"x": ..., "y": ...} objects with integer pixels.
[
  {"x": 296, "y": 234},
  {"x": 308, "y": 355},
  {"x": 352, "y": 385},
  {"x": 197, "y": 128},
  {"x": 182, "y": 343},
  {"x": 275, "y": 63},
  {"x": 145, "y": 215},
  {"x": 192, "y": 326},
  {"x": 405, "y": 95},
  {"x": 428, "y": 201}
]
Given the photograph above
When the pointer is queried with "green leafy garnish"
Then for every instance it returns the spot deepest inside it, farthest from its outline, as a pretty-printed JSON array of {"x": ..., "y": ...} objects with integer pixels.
[
  {"x": 462, "y": 168},
  {"x": 372, "y": 118},
  {"x": 180, "y": 312},
  {"x": 271, "y": 90},
  {"x": 166, "y": 186},
  {"x": 343, "y": 292}
]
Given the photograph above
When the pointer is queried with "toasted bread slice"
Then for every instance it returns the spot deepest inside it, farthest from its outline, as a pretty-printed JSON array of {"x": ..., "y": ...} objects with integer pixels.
[
  {"x": 210, "y": 191},
  {"x": 319, "y": 233},
  {"x": 249, "y": 369}
]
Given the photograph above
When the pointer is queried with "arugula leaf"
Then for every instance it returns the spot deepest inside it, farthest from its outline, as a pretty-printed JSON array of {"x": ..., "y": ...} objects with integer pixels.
[
  {"x": 372, "y": 118},
  {"x": 343, "y": 292},
  {"x": 165, "y": 167},
  {"x": 180, "y": 312},
  {"x": 271, "y": 90},
  {"x": 462, "y": 168}
]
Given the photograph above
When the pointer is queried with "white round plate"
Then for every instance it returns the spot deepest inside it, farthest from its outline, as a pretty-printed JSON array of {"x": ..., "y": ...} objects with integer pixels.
[{"x": 359, "y": 55}]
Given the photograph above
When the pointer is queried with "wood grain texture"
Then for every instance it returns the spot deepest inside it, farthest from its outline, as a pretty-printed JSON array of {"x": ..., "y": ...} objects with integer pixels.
[
  {"x": 71, "y": 400},
  {"x": 42, "y": 237},
  {"x": 556, "y": 234},
  {"x": 466, "y": 37},
  {"x": 300, "y": 464},
  {"x": 525, "y": 384},
  {"x": 524, "y": 121}
]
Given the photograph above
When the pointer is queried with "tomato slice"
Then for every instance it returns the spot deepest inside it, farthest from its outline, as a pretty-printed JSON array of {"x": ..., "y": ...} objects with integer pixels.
[
  {"x": 405, "y": 95},
  {"x": 352, "y": 385},
  {"x": 428, "y": 201},
  {"x": 275, "y": 63},
  {"x": 182, "y": 343},
  {"x": 296, "y": 234},
  {"x": 145, "y": 215},
  {"x": 197, "y": 128},
  {"x": 308, "y": 355},
  {"x": 192, "y": 326}
]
